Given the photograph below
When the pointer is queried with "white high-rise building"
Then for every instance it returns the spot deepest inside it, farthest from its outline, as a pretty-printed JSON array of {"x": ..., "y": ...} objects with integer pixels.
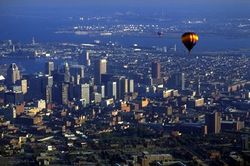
[
  {"x": 49, "y": 68},
  {"x": 85, "y": 93},
  {"x": 131, "y": 86}
]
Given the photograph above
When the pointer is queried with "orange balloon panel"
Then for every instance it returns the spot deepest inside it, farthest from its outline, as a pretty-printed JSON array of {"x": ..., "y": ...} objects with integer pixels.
[{"x": 189, "y": 39}]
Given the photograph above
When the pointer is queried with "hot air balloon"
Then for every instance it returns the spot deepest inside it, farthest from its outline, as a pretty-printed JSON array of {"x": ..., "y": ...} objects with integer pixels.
[
  {"x": 189, "y": 39},
  {"x": 159, "y": 33}
]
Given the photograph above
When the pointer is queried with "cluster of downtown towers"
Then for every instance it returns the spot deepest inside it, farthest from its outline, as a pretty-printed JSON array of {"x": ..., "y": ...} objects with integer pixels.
[
  {"x": 69, "y": 83},
  {"x": 82, "y": 84}
]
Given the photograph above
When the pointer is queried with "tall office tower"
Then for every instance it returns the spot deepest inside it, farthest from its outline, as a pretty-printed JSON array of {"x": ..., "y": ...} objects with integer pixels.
[
  {"x": 9, "y": 112},
  {"x": 156, "y": 70},
  {"x": 131, "y": 86},
  {"x": 47, "y": 84},
  {"x": 66, "y": 72},
  {"x": 122, "y": 87},
  {"x": 177, "y": 81},
  {"x": 49, "y": 68},
  {"x": 77, "y": 71},
  {"x": 85, "y": 91},
  {"x": 85, "y": 59},
  {"x": 35, "y": 90},
  {"x": 102, "y": 91},
  {"x": 58, "y": 77},
  {"x": 47, "y": 81},
  {"x": 24, "y": 86},
  {"x": 213, "y": 122},
  {"x": 72, "y": 89},
  {"x": 112, "y": 89},
  {"x": 48, "y": 94},
  {"x": 60, "y": 93},
  {"x": 100, "y": 68},
  {"x": 64, "y": 93},
  {"x": 13, "y": 74},
  {"x": 15, "y": 97},
  {"x": 105, "y": 78}
]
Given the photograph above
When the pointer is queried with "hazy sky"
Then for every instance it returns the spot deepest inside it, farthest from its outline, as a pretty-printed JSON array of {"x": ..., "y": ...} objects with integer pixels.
[{"x": 181, "y": 7}]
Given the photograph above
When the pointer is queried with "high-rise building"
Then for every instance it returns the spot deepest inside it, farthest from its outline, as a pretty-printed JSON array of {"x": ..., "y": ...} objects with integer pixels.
[
  {"x": 131, "y": 86},
  {"x": 24, "y": 86},
  {"x": 47, "y": 84},
  {"x": 35, "y": 90},
  {"x": 48, "y": 94},
  {"x": 112, "y": 89},
  {"x": 97, "y": 97},
  {"x": 47, "y": 81},
  {"x": 13, "y": 97},
  {"x": 177, "y": 81},
  {"x": 100, "y": 68},
  {"x": 122, "y": 87},
  {"x": 85, "y": 90},
  {"x": 77, "y": 72},
  {"x": 13, "y": 74},
  {"x": 156, "y": 70},
  {"x": 105, "y": 78},
  {"x": 85, "y": 59},
  {"x": 213, "y": 122},
  {"x": 60, "y": 93},
  {"x": 101, "y": 90},
  {"x": 64, "y": 94},
  {"x": 9, "y": 112},
  {"x": 66, "y": 72},
  {"x": 49, "y": 68}
]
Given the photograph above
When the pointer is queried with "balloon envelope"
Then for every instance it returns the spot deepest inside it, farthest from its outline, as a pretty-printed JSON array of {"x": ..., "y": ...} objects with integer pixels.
[
  {"x": 159, "y": 33},
  {"x": 189, "y": 39}
]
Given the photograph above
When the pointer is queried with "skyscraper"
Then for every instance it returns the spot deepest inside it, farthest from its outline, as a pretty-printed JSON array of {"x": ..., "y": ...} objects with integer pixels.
[
  {"x": 66, "y": 72},
  {"x": 47, "y": 84},
  {"x": 100, "y": 68},
  {"x": 24, "y": 86},
  {"x": 101, "y": 90},
  {"x": 85, "y": 59},
  {"x": 77, "y": 71},
  {"x": 156, "y": 70},
  {"x": 64, "y": 94},
  {"x": 213, "y": 122},
  {"x": 15, "y": 97},
  {"x": 35, "y": 83},
  {"x": 177, "y": 81},
  {"x": 131, "y": 86},
  {"x": 122, "y": 87},
  {"x": 13, "y": 74},
  {"x": 49, "y": 68},
  {"x": 48, "y": 94},
  {"x": 112, "y": 89},
  {"x": 85, "y": 93}
]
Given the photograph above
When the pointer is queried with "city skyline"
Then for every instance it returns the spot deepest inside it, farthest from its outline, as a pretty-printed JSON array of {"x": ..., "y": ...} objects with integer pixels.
[{"x": 125, "y": 83}]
